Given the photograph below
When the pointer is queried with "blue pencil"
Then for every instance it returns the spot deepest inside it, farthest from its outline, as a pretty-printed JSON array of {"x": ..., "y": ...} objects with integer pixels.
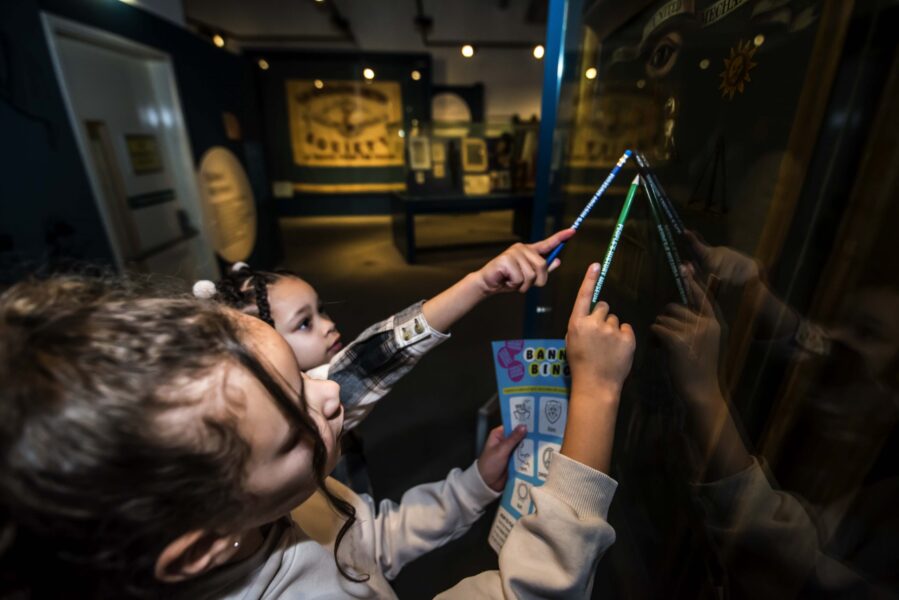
[{"x": 602, "y": 190}]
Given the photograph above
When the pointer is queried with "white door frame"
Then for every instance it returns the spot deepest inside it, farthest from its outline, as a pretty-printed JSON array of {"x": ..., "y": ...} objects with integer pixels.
[{"x": 184, "y": 176}]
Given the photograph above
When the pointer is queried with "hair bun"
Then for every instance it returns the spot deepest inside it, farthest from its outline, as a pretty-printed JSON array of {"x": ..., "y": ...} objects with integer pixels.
[
  {"x": 204, "y": 289},
  {"x": 239, "y": 266}
]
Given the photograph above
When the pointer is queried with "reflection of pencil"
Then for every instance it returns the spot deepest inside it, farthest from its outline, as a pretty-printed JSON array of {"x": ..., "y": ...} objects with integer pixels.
[
  {"x": 613, "y": 243},
  {"x": 668, "y": 245},
  {"x": 599, "y": 192},
  {"x": 664, "y": 201}
]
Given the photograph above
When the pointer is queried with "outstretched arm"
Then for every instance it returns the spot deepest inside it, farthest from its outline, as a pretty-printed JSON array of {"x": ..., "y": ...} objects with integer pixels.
[
  {"x": 553, "y": 552},
  {"x": 515, "y": 270}
]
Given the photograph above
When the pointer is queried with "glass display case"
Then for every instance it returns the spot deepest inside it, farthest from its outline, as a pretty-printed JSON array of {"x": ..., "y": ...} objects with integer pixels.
[{"x": 756, "y": 444}]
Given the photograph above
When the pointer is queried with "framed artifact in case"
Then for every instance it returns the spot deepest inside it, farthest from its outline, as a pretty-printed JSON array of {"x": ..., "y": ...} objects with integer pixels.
[{"x": 474, "y": 155}]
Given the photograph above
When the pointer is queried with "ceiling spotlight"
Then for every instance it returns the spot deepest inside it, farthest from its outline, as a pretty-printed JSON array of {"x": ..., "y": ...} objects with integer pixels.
[
  {"x": 539, "y": 51},
  {"x": 590, "y": 73},
  {"x": 416, "y": 75},
  {"x": 218, "y": 40},
  {"x": 319, "y": 84},
  {"x": 368, "y": 73},
  {"x": 758, "y": 40},
  {"x": 467, "y": 50},
  {"x": 263, "y": 64}
]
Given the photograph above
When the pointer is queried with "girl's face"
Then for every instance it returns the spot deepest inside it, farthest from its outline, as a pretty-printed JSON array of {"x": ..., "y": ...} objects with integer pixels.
[
  {"x": 279, "y": 470},
  {"x": 299, "y": 317}
]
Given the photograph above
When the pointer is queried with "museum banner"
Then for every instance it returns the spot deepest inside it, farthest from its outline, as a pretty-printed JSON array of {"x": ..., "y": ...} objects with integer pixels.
[{"x": 345, "y": 123}]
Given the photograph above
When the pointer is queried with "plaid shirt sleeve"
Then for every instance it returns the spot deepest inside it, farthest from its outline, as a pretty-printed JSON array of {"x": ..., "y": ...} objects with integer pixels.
[{"x": 370, "y": 366}]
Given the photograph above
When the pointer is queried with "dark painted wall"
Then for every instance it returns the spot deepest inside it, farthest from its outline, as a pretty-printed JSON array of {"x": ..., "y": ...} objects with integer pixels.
[{"x": 47, "y": 211}]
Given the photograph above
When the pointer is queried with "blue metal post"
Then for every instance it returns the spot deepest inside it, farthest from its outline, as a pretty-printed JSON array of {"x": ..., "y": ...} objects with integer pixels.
[{"x": 553, "y": 68}]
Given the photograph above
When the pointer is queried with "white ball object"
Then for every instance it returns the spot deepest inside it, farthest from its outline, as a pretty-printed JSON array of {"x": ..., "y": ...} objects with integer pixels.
[{"x": 204, "y": 289}]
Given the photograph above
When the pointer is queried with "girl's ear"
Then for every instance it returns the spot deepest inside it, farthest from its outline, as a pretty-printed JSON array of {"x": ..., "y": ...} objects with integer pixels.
[{"x": 193, "y": 554}]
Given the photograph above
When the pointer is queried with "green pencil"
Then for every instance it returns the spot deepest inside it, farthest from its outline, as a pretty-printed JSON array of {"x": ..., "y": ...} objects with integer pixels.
[{"x": 613, "y": 243}]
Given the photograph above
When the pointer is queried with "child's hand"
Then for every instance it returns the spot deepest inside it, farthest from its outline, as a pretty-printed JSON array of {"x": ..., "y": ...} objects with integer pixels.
[
  {"x": 521, "y": 266},
  {"x": 600, "y": 350},
  {"x": 494, "y": 460}
]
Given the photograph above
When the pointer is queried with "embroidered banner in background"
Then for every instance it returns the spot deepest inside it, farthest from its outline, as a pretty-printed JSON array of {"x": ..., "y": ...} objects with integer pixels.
[{"x": 345, "y": 123}]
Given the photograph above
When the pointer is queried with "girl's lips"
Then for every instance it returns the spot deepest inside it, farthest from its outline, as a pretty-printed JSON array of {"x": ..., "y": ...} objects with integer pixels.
[{"x": 335, "y": 347}]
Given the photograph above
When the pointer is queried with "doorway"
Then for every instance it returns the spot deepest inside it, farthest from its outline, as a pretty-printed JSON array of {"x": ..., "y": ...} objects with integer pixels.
[{"x": 124, "y": 108}]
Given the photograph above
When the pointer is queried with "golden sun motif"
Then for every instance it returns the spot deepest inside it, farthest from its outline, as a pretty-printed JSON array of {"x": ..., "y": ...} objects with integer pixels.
[{"x": 735, "y": 75}]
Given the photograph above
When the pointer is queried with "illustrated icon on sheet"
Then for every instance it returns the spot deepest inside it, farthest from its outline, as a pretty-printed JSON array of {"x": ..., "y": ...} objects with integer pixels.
[
  {"x": 553, "y": 410},
  {"x": 523, "y": 411},
  {"x": 553, "y": 413},
  {"x": 547, "y": 456},
  {"x": 524, "y": 458},
  {"x": 545, "y": 453}
]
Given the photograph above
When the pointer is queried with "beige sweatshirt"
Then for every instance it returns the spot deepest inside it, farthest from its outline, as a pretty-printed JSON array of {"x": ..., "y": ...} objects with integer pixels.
[{"x": 551, "y": 553}]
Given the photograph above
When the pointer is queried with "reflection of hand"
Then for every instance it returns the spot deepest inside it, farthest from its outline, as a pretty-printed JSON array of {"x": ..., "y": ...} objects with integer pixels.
[
  {"x": 692, "y": 339},
  {"x": 600, "y": 350},
  {"x": 732, "y": 267},
  {"x": 521, "y": 266},
  {"x": 495, "y": 457}
]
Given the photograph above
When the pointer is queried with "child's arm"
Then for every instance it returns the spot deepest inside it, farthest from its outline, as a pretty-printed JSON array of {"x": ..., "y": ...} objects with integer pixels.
[
  {"x": 515, "y": 270},
  {"x": 553, "y": 552},
  {"x": 430, "y": 515},
  {"x": 766, "y": 540},
  {"x": 369, "y": 367}
]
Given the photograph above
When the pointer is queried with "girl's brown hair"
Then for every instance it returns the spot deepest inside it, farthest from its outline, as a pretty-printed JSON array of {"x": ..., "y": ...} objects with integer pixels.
[{"x": 86, "y": 479}]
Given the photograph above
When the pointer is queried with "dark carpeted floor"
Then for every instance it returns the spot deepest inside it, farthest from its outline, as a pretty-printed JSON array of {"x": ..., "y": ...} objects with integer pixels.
[{"x": 426, "y": 426}]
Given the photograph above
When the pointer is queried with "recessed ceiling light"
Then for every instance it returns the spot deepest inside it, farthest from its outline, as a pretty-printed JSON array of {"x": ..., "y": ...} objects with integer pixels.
[
  {"x": 467, "y": 50},
  {"x": 539, "y": 51}
]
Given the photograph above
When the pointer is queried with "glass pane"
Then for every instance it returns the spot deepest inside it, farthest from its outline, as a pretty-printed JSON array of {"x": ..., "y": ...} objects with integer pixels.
[{"x": 756, "y": 442}]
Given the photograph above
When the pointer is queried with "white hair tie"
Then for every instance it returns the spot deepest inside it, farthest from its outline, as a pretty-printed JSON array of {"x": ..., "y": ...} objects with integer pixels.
[
  {"x": 204, "y": 289},
  {"x": 239, "y": 266}
]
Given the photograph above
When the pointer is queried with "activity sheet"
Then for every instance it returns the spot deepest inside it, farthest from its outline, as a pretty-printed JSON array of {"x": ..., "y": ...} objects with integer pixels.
[{"x": 533, "y": 381}]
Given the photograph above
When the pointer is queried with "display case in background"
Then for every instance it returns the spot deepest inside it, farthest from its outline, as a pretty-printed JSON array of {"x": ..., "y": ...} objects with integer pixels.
[
  {"x": 771, "y": 124},
  {"x": 460, "y": 166}
]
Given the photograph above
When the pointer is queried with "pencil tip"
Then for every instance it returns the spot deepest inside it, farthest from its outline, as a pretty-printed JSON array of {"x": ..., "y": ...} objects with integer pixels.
[{"x": 636, "y": 179}]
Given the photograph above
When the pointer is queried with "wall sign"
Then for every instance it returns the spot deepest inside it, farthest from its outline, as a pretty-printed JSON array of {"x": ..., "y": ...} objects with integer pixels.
[
  {"x": 228, "y": 204},
  {"x": 143, "y": 150}
]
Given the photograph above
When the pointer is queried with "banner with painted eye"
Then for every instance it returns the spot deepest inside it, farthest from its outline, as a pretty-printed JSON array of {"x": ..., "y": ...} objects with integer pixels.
[
  {"x": 346, "y": 136},
  {"x": 533, "y": 381}
]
